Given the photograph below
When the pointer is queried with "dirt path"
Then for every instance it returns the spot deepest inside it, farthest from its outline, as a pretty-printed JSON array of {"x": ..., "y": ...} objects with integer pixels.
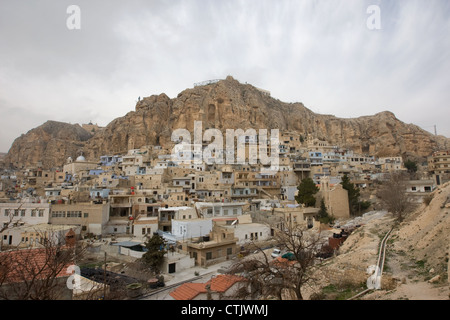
[{"x": 405, "y": 277}]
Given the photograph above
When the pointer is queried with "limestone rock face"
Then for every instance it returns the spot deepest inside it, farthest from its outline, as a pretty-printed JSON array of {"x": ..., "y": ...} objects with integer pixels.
[
  {"x": 50, "y": 144},
  {"x": 228, "y": 104}
]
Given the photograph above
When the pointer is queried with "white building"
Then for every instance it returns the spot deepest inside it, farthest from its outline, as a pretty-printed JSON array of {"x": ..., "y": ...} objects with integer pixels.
[
  {"x": 27, "y": 213},
  {"x": 220, "y": 209},
  {"x": 248, "y": 232},
  {"x": 144, "y": 227},
  {"x": 186, "y": 229}
]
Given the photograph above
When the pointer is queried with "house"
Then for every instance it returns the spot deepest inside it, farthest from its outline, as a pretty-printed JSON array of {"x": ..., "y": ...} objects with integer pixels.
[
  {"x": 144, "y": 226},
  {"x": 191, "y": 228},
  {"x": 223, "y": 286},
  {"x": 166, "y": 215},
  {"x": 247, "y": 232},
  {"x": 33, "y": 274},
  {"x": 220, "y": 245},
  {"x": 291, "y": 215},
  {"x": 220, "y": 209},
  {"x": 38, "y": 234},
  {"x": 15, "y": 214},
  {"x": 91, "y": 217},
  {"x": 175, "y": 262},
  {"x": 417, "y": 189}
]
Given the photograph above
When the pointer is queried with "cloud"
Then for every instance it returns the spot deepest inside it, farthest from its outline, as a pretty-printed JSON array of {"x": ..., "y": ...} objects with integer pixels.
[{"x": 319, "y": 52}]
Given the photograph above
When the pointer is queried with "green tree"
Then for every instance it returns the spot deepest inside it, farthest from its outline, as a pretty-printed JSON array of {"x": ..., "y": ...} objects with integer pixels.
[
  {"x": 323, "y": 215},
  {"x": 154, "y": 256},
  {"x": 306, "y": 191},
  {"x": 411, "y": 166},
  {"x": 353, "y": 196}
]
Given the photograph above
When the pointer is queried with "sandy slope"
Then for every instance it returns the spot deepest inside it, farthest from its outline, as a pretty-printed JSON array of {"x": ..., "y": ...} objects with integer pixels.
[{"x": 418, "y": 251}]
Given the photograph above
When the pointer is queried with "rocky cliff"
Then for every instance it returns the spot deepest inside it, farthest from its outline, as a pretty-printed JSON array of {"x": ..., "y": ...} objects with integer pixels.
[
  {"x": 226, "y": 104},
  {"x": 49, "y": 144}
]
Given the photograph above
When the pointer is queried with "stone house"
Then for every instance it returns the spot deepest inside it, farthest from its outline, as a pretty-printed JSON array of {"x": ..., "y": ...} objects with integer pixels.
[
  {"x": 91, "y": 217},
  {"x": 223, "y": 286},
  {"x": 220, "y": 245}
]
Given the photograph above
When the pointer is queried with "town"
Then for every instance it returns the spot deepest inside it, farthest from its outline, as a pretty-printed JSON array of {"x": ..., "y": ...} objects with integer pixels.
[{"x": 206, "y": 213}]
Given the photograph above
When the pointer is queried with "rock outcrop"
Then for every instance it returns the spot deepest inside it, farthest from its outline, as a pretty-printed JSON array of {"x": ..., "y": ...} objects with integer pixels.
[
  {"x": 49, "y": 144},
  {"x": 226, "y": 104}
]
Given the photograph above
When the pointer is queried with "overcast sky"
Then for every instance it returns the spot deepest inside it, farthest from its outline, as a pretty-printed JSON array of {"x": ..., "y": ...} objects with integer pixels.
[{"x": 319, "y": 52}]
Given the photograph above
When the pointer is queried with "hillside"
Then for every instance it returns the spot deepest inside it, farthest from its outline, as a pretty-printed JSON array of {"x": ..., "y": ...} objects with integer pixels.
[
  {"x": 226, "y": 104},
  {"x": 417, "y": 257},
  {"x": 50, "y": 144}
]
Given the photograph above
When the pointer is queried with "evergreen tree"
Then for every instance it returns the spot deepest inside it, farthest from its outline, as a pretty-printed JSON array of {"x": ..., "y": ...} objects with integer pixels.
[
  {"x": 154, "y": 256},
  {"x": 306, "y": 191},
  {"x": 323, "y": 215},
  {"x": 411, "y": 166},
  {"x": 353, "y": 194}
]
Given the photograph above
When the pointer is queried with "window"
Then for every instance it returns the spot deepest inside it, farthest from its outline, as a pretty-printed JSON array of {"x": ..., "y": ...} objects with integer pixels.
[
  {"x": 41, "y": 213},
  {"x": 229, "y": 251},
  {"x": 208, "y": 255},
  {"x": 16, "y": 212},
  {"x": 86, "y": 215},
  {"x": 22, "y": 213},
  {"x": 7, "y": 212}
]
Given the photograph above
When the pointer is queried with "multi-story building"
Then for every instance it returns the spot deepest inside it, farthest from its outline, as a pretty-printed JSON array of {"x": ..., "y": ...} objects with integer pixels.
[
  {"x": 14, "y": 214},
  {"x": 90, "y": 217},
  {"x": 439, "y": 166}
]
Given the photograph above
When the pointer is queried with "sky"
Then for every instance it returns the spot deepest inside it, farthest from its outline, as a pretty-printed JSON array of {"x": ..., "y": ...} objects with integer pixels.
[{"x": 348, "y": 58}]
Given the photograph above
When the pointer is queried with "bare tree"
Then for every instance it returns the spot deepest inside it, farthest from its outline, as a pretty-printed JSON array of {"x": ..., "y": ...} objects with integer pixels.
[
  {"x": 392, "y": 194},
  {"x": 38, "y": 273},
  {"x": 269, "y": 276}
]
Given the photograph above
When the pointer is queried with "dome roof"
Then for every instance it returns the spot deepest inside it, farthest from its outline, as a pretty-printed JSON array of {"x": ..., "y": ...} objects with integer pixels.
[{"x": 81, "y": 158}]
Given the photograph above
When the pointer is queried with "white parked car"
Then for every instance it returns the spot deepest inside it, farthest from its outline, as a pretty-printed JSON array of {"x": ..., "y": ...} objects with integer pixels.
[{"x": 276, "y": 253}]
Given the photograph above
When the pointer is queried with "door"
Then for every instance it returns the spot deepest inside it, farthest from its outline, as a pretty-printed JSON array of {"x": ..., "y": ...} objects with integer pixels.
[{"x": 172, "y": 268}]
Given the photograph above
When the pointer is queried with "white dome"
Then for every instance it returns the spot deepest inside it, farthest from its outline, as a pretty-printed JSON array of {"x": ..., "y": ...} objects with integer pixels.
[{"x": 81, "y": 158}]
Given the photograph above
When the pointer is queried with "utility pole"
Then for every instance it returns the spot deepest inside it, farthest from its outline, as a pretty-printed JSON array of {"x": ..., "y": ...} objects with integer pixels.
[
  {"x": 104, "y": 280},
  {"x": 435, "y": 131}
]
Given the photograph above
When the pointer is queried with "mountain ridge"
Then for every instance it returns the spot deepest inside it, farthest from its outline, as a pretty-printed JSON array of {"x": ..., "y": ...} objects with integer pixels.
[{"x": 225, "y": 104}]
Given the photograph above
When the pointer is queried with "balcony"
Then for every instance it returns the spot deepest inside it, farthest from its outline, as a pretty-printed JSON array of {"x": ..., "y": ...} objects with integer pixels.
[{"x": 302, "y": 166}]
